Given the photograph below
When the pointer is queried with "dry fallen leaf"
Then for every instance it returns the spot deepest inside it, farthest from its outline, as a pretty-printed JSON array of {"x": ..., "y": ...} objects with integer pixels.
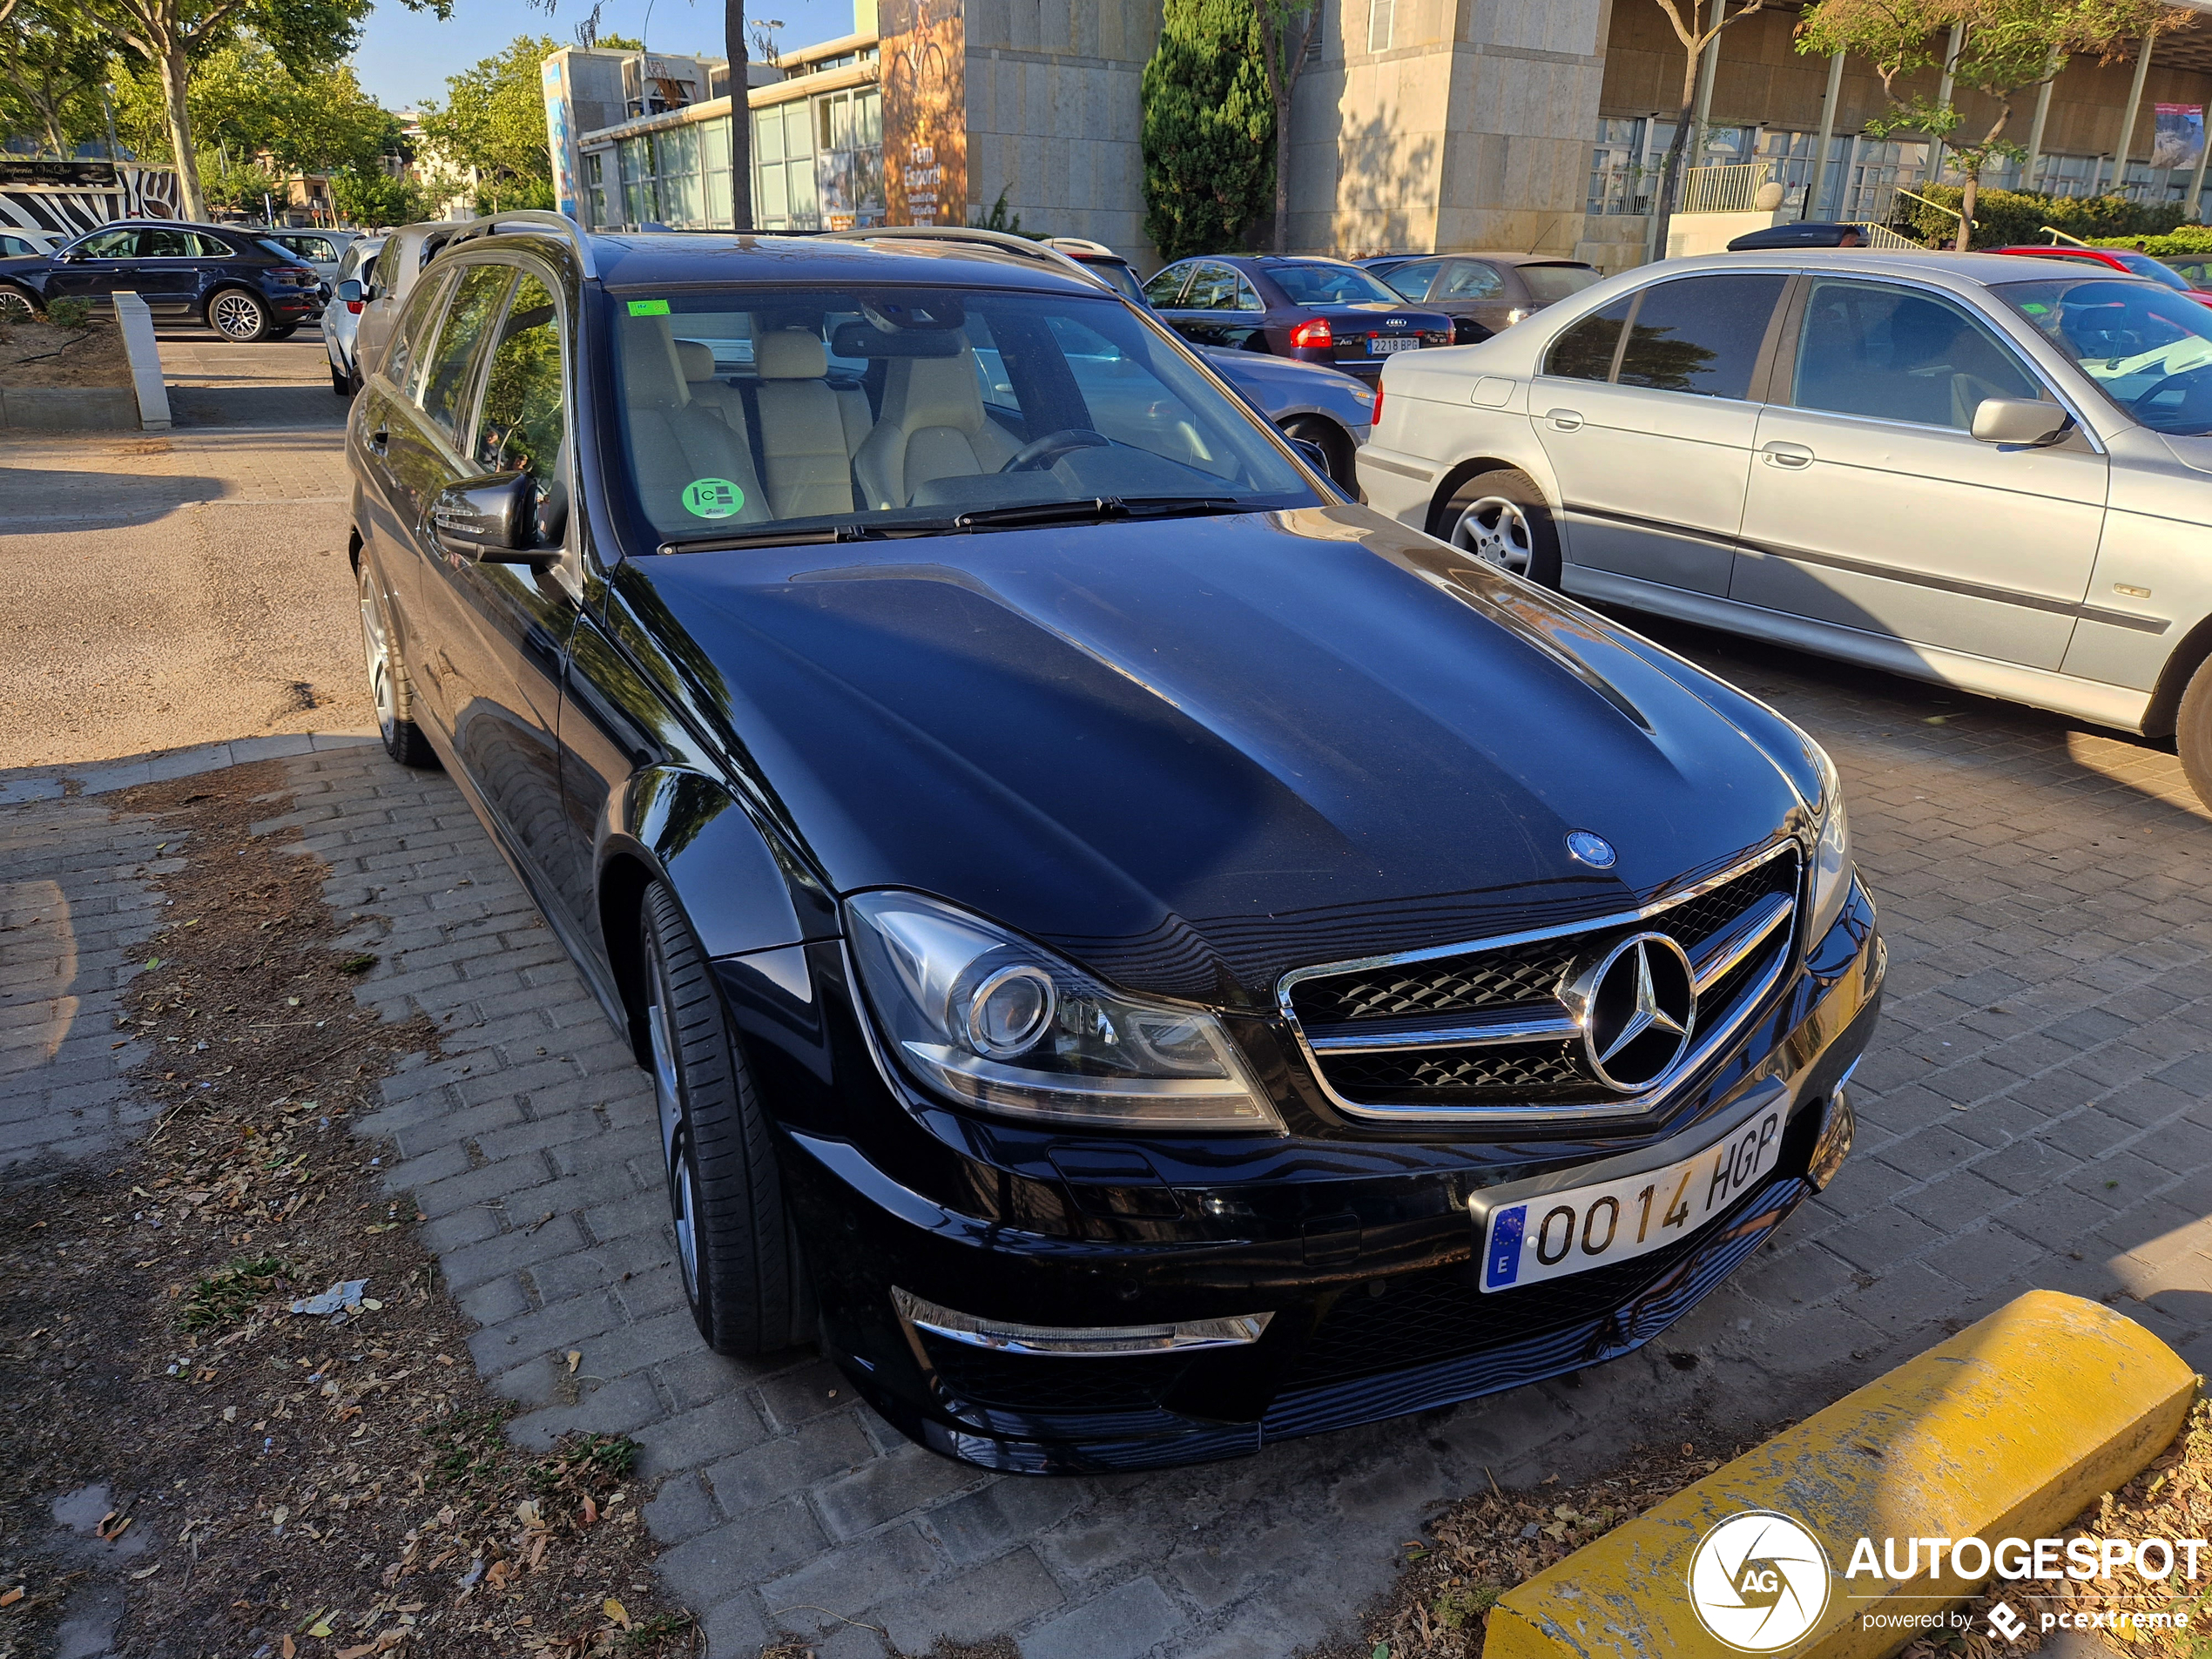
[
  {"x": 290, "y": 1652},
  {"x": 616, "y": 1611},
  {"x": 576, "y": 1358},
  {"x": 12, "y": 1596}
]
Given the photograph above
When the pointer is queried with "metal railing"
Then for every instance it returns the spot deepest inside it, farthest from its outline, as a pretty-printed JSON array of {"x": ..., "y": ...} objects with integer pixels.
[
  {"x": 1883, "y": 236},
  {"x": 1732, "y": 189}
]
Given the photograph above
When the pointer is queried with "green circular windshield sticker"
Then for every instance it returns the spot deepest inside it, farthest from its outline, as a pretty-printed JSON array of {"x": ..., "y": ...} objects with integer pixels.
[{"x": 712, "y": 498}]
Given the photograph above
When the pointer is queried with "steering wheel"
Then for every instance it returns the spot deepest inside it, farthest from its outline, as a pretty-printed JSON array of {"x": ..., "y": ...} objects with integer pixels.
[
  {"x": 1036, "y": 456},
  {"x": 2191, "y": 383}
]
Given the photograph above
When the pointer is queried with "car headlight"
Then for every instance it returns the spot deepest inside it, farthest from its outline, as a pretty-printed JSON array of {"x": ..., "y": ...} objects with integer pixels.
[
  {"x": 995, "y": 1021},
  {"x": 1831, "y": 865}
]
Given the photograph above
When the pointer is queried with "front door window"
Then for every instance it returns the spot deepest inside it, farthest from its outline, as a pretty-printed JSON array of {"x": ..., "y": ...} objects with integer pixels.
[
  {"x": 1898, "y": 354},
  {"x": 521, "y": 428},
  {"x": 476, "y": 302}
]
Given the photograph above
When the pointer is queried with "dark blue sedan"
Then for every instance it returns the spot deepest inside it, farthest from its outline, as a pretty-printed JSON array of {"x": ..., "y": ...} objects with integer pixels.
[
  {"x": 1313, "y": 310},
  {"x": 241, "y": 287}
]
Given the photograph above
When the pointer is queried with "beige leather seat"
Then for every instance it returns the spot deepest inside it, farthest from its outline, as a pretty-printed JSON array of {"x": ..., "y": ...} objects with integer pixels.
[
  {"x": 675, "y": 441},
  {"x": 933, "y": 426},
  {"x": 803, "y": 441},
  {"x": 697, "y": 359}
]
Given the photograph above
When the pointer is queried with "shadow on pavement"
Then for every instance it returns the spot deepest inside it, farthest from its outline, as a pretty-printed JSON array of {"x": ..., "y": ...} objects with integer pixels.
[
  {"x": 54, "y": 501},
  {"x": 307, "y": 405}
]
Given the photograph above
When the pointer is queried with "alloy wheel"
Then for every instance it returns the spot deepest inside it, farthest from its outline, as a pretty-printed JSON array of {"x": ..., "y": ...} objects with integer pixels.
[
  {"x": 1495, "y": 530},
  {"x": 376, "y": 652},
  {"x": 14, "y": 308},
  {"x": 237, "y": 316},
  {"x": 682, "y": 1179}
]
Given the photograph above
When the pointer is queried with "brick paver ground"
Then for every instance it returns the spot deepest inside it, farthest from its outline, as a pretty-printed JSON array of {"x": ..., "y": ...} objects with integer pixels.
[{"x": 2033, "y": 1113}]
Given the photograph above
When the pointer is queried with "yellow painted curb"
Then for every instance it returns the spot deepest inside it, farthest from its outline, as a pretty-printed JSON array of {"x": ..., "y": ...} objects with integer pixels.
[{"x": 2008, "y": 1430}]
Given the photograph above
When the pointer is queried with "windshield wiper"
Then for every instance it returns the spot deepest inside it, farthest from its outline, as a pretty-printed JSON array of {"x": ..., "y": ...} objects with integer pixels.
[
  {"x": 812, "y": 535},
  {"x": 1096, "y": 507}
]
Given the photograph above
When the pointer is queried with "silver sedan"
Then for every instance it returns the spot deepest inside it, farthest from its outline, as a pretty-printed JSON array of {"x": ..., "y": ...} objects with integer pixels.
[{"x": 1990, "y": 473}]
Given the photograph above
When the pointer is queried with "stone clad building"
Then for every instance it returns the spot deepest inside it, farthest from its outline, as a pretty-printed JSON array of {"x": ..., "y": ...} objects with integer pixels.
[{"x": 1419, "y": 125}]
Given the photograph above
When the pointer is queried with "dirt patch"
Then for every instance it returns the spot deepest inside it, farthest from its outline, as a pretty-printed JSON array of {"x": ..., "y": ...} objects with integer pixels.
[
  {"x": 1480, "y": 1547},
  {"x": 39, "y": 354},
  {"x": 268, "y": 1482}
]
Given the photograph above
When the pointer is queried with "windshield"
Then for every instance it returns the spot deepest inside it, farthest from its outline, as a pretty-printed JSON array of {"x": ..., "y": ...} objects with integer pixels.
[
  {"x": 1548, "y": 283},
  {"x": 853, "y": 411},
  {"x": 2148, "y": 349},
  {"x": 2143, "y": 264},
  {"x": 1331, "y": 285}
]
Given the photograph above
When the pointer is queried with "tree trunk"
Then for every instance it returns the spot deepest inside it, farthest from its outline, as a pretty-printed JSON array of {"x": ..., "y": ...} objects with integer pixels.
[
  {"x": 740, "y": 118},
  {"x": 1670, "y": 169},
  {"x": 1283, "y": 171},
  {"x": 176, "y": 72},
  {"x": 1966, "y": 209}
]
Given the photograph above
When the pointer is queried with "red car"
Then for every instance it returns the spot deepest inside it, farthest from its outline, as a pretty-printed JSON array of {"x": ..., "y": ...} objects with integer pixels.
[{"x": 2125, "y": 259}]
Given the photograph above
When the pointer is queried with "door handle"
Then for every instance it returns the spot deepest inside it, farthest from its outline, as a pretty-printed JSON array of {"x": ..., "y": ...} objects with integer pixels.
[
  {"x": 379, "y": 440},
  {"x": 1563, "y": 420},
  {"x": 1793, "y": 456}
]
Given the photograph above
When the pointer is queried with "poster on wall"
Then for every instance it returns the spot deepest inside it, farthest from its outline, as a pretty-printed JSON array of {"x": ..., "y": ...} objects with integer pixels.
[
  {"x": 924, "y": 46},
  {"x": 2179, "y": 139},
  {"x": 560, "y": 141}
]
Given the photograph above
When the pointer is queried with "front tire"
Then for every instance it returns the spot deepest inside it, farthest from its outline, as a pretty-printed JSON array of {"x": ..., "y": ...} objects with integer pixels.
[
  {"x": 16, "y": 305},
  {"x": 340, "y": 382},
  {"x": 239, "y": 316},
  {"x": 2193, "y": 732},
  {"x": 736, "y": 1250},
  {"x": 1502, "y": 519},
  {"x": 388, "y": 689}
]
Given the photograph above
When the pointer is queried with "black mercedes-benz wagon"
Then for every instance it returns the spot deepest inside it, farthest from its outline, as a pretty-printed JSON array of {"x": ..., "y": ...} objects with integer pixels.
[{"x": 1139, "y": 955}]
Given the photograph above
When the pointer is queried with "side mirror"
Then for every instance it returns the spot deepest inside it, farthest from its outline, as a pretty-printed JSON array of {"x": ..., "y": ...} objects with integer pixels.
[
  {"x": 2020, "y": 421},
  {"x": 350, "y": 291},
  {"x": 67, "y": 256},
  {"x": 1314, "y": 455},
  {"x": 491, "y": 520}
]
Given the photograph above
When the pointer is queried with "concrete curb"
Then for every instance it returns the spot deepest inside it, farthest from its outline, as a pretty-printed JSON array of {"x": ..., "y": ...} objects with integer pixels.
[
  {"x": 144, "y": 352},
  {"x": 2008, "y": 1430},
  {"x": 51, "y": 783}
]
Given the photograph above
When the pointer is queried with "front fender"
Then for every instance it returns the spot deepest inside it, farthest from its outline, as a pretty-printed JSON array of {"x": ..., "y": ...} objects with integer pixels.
[{"x": 742, "y": 890}]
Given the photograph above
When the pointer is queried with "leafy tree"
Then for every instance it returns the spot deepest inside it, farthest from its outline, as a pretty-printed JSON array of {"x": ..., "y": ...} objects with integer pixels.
[
  {"x": 171, "y": 35},
  {"x": 51, "y": 65},
  {"x": 1693, "y": 42},
  {"x": 371, "y": 196},
  {"x": 494, "y": 120},
  {"x": 2005, "y": 47},
  {"x": 1207, "y": 121},
  {"x": 1288, "y": 32},
  {"x": 245, "y": 103}
]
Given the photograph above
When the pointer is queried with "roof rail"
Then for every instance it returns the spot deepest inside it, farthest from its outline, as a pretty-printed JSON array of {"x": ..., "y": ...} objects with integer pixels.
[
  {"x": 1001, "y": 241},
  {"x": 531, "y": 222}
]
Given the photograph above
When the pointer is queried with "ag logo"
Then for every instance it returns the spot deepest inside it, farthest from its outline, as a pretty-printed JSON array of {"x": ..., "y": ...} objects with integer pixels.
[{"x": 1759, "y": 1581}]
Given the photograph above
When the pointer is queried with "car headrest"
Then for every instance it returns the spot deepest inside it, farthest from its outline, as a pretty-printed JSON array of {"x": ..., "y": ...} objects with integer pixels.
[
  {"x": 650, "y": 378},
  {"x": 924, "y": 392},
  {"x": 860, "y": 338},
  {"x": 697, "y": 358},
  {"x": 790, "y": 354}
]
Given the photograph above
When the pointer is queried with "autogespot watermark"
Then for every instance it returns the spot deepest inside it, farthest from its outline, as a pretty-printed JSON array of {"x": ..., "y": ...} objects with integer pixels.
[{"x": 1760, "y": 1581}]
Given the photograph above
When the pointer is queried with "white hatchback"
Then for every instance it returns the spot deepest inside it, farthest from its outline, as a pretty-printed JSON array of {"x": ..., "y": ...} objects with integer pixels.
[{"x": 1988, "y": 472}]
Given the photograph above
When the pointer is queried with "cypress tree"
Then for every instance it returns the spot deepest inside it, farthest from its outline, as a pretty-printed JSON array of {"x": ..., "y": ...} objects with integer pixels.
[{"x": 1209, "y": 129}]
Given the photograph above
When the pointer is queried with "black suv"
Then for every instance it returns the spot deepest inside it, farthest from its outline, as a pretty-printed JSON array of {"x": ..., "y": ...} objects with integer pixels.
[
  {"x": 1139, "y": 955},
  {"x": 241, "y": 287}
]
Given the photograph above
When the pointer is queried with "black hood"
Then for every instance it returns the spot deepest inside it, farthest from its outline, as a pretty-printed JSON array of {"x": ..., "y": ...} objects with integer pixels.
[{"x": 1196, "y": 753}]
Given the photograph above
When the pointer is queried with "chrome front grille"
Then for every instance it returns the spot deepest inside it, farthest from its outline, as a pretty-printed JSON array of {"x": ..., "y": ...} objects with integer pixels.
[{"x": 1486, "y": 1029}]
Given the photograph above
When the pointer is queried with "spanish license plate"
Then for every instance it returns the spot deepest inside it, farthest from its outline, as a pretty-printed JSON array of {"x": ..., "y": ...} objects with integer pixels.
[
  {"x": 1580, "y": 1228},
  {"x": 1385, "y": 344}
]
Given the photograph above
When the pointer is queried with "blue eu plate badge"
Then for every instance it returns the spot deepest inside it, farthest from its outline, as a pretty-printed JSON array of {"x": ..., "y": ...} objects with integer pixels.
[{"x": 1502, "y": 1266}]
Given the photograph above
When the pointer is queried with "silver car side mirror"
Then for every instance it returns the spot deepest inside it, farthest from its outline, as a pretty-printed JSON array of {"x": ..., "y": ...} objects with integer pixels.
[{"x": 2018, "y": 420}]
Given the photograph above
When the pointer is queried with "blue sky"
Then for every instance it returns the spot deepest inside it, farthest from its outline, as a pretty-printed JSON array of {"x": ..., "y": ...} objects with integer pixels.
[{"x": 405, "y": 57}]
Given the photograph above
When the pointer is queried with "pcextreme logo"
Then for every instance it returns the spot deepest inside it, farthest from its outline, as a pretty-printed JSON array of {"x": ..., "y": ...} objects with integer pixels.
[{"x": 1759, "y": 1581}]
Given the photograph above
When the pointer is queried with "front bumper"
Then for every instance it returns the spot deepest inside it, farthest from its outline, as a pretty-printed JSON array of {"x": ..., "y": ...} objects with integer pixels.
[{"x": 1362, "y": 1250}]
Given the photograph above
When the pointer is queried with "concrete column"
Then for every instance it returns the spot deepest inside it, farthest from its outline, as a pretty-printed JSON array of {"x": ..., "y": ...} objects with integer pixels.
[
  {"x": 2127, "y": 119},
  {"x": 1827, "y": 135},
  {"x": 2042, "y": 119},
  {"x": 1943, "y": 95},
  {"x": 1693, "y": 154}
]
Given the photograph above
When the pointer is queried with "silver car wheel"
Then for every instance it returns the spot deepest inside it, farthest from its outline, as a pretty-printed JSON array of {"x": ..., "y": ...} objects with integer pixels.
[
  {"x": 14, "y": 308},
  {"x": 1495, "y": 530},
  {"x": 682, "y": 1189},
  {"x": 376, "y": 651},
  {"x": 236, "y": 315}
]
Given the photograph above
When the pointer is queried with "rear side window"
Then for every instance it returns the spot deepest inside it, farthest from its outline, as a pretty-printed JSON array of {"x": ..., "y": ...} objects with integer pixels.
[
  {"x": 1585, "y": 351},
  {"x": 1471, "y": 279},
  {"x": 1549, "y": 284},
  {"x": 1899, "y": 355},
  {"x": 1213, "y": 287},
  {"x": 476, "y": 300},
  {"x": 1700, "y": 334}
]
